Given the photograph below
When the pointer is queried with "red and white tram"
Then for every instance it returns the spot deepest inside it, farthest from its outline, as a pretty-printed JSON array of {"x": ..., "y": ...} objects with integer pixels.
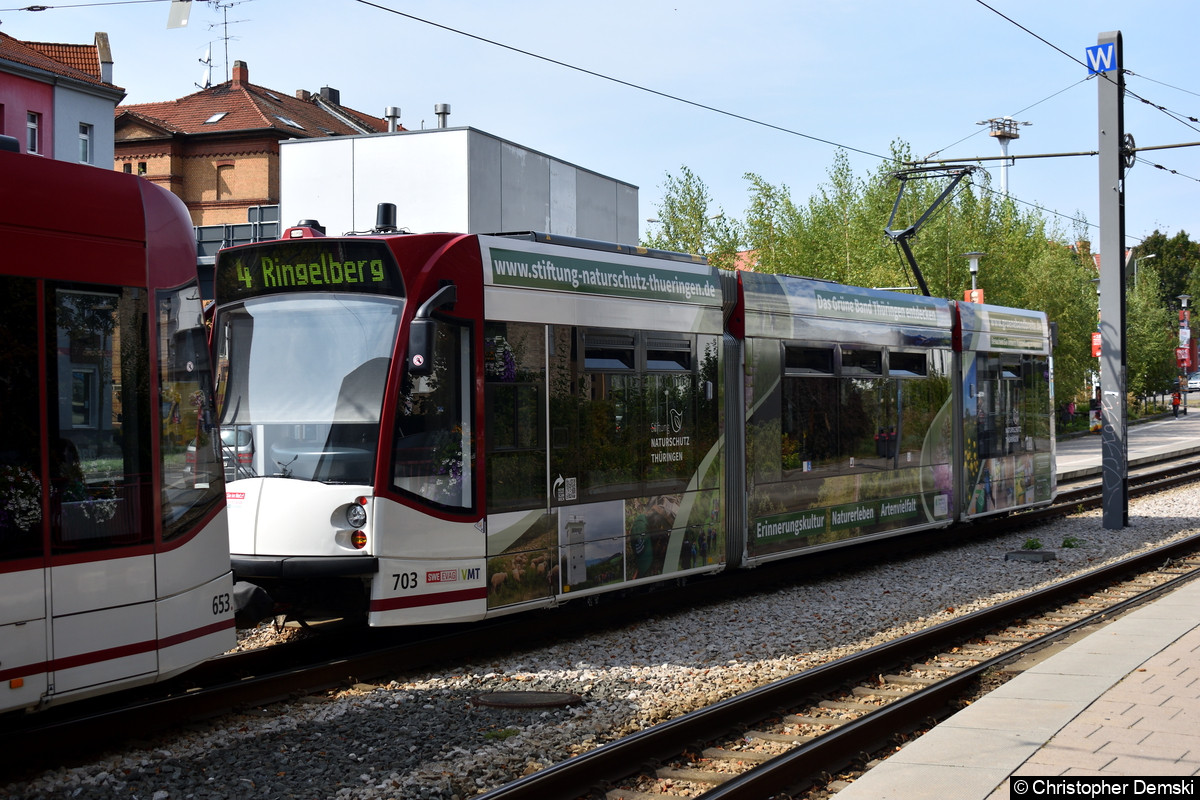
[
  {"x": 445, "y": 427},
  {"x": 114, "y": 561}
]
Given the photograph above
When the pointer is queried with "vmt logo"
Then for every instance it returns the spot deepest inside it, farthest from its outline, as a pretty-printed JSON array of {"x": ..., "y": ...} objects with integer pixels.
[{"x": 1101, "y": 58}]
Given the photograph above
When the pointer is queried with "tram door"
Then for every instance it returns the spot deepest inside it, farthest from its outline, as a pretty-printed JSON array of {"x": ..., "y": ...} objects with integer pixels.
[
  {"x": 23, "y": 557},
  {"x": 99, "y": 436}
]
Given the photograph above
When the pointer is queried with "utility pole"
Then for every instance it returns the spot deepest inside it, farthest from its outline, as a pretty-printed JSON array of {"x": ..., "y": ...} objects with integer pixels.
[{"x": 1106, "y": 61}]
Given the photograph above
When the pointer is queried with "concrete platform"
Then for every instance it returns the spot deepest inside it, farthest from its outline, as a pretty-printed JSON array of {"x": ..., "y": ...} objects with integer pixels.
[
  {"x": 1079, "y": 456},
  {"x": 1122, "y": 701}
]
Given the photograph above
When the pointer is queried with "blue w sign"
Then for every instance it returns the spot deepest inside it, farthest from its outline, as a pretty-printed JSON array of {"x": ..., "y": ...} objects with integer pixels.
[{"x": 1101, "y": 58}]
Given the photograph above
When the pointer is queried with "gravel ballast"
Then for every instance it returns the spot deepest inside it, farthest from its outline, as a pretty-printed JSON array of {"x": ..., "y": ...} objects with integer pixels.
[{"x": 426, "y": 736}]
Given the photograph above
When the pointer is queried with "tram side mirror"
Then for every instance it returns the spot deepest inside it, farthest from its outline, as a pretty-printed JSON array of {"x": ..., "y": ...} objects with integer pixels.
[{"x": 422, "y": 333}]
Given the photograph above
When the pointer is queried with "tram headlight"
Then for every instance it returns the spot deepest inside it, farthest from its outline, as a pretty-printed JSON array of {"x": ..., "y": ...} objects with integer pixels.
[{"x": 356, "y": 515}]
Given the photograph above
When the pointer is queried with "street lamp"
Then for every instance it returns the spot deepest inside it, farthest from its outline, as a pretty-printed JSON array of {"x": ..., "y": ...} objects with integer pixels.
[
  {"x": 974, "y": 294},
  {"x": 973, "y": 257},
  {"x": 1136, "y": 261}
]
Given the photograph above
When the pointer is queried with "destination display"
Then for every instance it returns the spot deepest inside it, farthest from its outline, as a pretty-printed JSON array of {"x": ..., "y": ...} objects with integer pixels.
[{"x": 308, "y": 265}]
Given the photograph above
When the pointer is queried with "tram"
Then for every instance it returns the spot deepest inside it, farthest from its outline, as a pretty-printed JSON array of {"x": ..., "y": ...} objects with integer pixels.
[
  {"x": 445, "y": 427},
  {"x": 114, "y": 561}
]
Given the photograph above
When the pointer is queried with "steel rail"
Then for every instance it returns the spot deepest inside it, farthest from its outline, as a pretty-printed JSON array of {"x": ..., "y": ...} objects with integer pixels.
[{"x": 581, "y": 774}]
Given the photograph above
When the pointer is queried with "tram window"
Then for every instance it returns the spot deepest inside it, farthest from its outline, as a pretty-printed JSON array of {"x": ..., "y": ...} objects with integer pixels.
[
  {"x": 190, "y": 454},
  {"x": 609, "y": 352},
  {"x": 669, "y": 355},
  {"x": 862, "y": 362},
  {"x": 21, "y": 478},
  {"x": 807, "y": 360},
  {"x": 618, "y": 431},
  {"x": 434, "y": 456},
  {"x": 514, "y": 356},
  {"x": 99, "y": 415},
  {"x": 907, "y": 365},
  {"x": 808, "y": 422}
]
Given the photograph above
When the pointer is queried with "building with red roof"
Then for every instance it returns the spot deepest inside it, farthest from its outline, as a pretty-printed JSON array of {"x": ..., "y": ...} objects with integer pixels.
[
  {"x": 218, "y": 149},
  {"x": 57, "y": 100}
]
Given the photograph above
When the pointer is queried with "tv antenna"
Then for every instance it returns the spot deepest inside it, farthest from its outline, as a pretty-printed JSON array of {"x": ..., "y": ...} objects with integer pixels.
[
  {"x": 180, "y": 13},
  {"x": 207, "y": 62}
]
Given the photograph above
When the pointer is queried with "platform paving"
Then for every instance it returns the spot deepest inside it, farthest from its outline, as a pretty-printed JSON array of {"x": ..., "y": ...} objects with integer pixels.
[{"x": 1122, "y": 701}]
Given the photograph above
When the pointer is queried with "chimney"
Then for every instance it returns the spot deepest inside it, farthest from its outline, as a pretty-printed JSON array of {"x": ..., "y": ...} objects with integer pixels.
[
  {"x": 443, "y": 112},
  {"x": 241, "y": 73},
  {"x": 104, "y": 54},
  {"x": 392, "y": 115},
  {"x": 331, "y": 95},
  {"x": 303, "y": 94}
]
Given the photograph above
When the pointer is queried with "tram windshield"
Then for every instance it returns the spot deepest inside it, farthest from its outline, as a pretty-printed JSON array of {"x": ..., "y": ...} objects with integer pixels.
[{"x": 301, "y": 383}]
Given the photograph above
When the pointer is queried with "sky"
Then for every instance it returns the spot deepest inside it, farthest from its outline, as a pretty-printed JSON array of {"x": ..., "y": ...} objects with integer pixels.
[{"x": 638, "y": 89}]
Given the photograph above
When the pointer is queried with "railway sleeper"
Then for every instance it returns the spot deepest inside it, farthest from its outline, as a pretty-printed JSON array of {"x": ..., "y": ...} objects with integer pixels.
[
  {"x": 693, "y": 775},
  {"x": 784, "y": 738},
  {"x": 938, "y": 668},
  {"x": 749, "y": 756},
  {"x": 910, "y": 680},
  {"x": 820, "y": 722},
  {"x": 869, "y": 691},
  {"x": 632, "y": 794},
  {"x": 848, "y": 705}
]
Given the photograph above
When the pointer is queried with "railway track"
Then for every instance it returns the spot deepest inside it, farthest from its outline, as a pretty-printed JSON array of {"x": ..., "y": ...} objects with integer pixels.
[
  {"x": 262, "y": 676},
  {"x": 783, "y": 739}
]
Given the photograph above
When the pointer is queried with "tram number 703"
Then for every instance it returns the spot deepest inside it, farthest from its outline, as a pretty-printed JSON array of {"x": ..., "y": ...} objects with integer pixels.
[{"x": 404, "y": 580}]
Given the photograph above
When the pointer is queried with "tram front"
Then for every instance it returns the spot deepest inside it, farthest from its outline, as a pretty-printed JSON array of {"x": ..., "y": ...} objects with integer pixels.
[{"x": 304, "y": 337}]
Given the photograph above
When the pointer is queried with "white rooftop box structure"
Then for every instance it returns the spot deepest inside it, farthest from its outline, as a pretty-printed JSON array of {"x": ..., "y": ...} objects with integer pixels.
[{"x": 449, "y": 179}]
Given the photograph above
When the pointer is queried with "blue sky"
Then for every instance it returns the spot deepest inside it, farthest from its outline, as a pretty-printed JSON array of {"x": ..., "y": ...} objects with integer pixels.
[{"x": 858, "y": 73}]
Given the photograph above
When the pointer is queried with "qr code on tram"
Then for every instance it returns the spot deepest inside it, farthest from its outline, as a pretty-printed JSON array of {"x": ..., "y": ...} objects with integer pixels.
[{"x": 567, "y": 491}]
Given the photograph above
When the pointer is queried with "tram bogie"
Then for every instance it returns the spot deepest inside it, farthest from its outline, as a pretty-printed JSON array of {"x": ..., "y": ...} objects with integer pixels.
[{"x": 516, "y": 421}]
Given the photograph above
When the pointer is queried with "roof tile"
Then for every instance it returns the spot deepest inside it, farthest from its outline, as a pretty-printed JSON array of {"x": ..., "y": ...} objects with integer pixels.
[
  {"x": 249, "y": 107},
  {"x": 78, "y": 61}
]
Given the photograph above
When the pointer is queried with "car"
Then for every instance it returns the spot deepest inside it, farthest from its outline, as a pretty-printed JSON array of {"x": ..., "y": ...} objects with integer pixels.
[{"x": 1193, "y": 383}]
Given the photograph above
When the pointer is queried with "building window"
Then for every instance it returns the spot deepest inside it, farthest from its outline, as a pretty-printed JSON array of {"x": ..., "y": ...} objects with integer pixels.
[
  {"x": 141, "y": 168},
  {"x": 127, "y": 168},
  {"x": 85, "y": 143},
  {"x": 32, "y": 138}
]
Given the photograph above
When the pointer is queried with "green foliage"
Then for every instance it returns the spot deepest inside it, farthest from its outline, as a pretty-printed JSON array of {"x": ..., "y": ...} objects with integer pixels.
[
  {"x": 1174, "y": 260},
  {"x": 1150, "y": 335},
  {"x": 687, "y": 224},
  {"x": 1032, "y": 544},
  {"x": 838, "y": 235},
  {"x": 1071, "y": 542}
]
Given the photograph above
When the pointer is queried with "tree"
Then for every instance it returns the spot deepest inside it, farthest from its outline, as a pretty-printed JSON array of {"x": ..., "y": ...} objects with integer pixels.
[
  {"x": 1150, "y": 336},
  {"x": 685, "y": 223},
  {"x": 1175, "y": 260},
  {"x": 838, "y": 235}
]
